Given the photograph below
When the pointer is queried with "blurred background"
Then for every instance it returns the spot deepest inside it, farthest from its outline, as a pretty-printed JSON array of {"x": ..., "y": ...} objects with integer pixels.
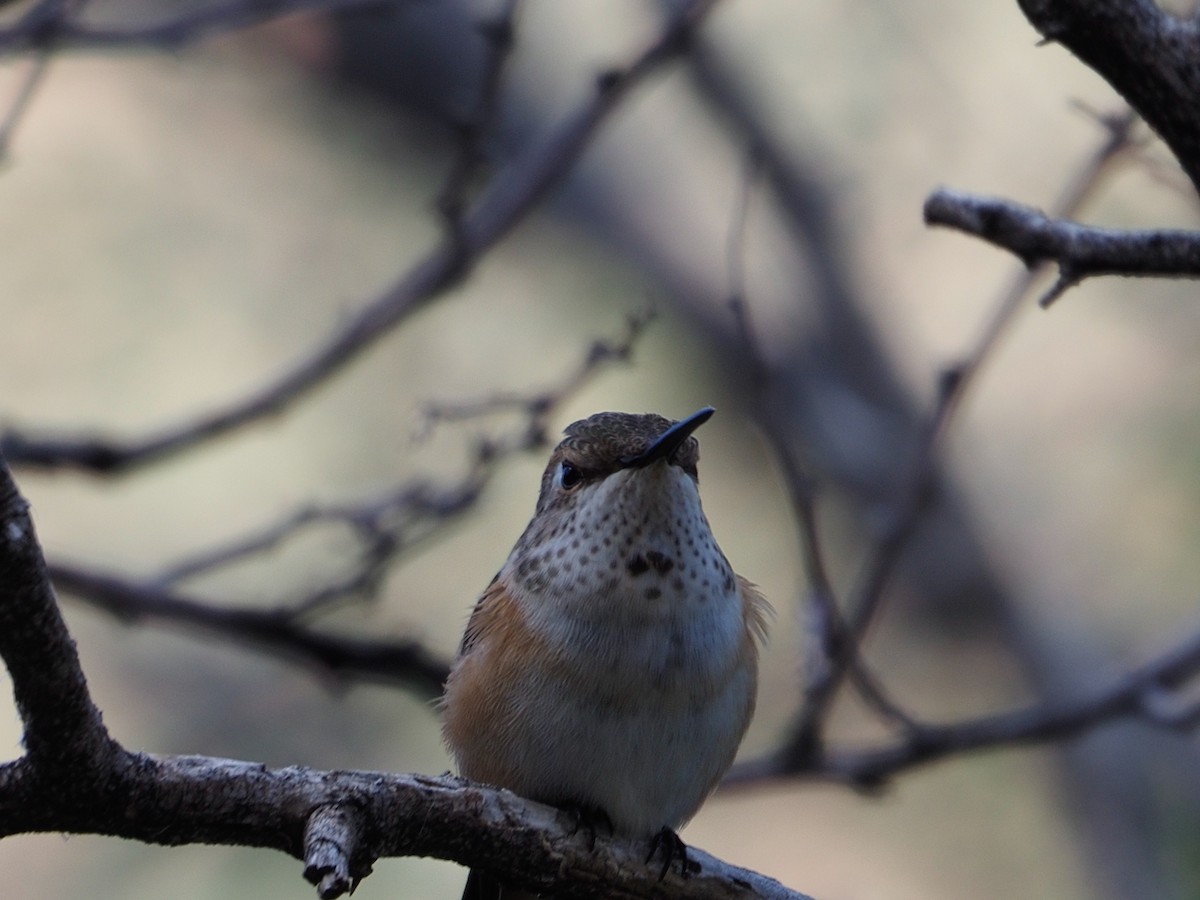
[{"x": 179, "y": 228}]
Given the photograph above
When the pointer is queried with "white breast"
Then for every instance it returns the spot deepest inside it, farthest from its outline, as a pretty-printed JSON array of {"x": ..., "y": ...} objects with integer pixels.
[{"x": 645, "y": 616}]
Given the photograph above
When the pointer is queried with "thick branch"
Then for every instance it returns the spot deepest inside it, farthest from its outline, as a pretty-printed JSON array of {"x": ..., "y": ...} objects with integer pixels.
[
  {"x": 342, "y": 822},
  {"x": 62, "y": 726},
  {"x": 1147, "y": 54},
  {"x": 75, "y": 779}
]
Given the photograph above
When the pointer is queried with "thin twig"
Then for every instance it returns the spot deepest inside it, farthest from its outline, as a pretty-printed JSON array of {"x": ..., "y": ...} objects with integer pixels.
[
  {"x": 384, "y": 526},
  {"x": 404, "y": 662},
  {"x": 511, "y": 196},
  {"x": 802, "y": 489},
  {"x": 824, "y": 623},
  {"x": 34, "y": 76},
  {"x": 499, "y": 34},
  {"x": 536, "y": 406},
  {"x": 1139, "y": 695},
  {"x": 957, "y": 380},
  {"x": 55, "y": 25},
  {"x": 1143, "y": 694},
  {"x": 805, "y": 739}
]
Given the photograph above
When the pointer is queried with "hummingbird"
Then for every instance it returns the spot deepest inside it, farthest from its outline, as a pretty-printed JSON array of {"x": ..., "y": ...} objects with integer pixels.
[{"x": 611, "y": 665}]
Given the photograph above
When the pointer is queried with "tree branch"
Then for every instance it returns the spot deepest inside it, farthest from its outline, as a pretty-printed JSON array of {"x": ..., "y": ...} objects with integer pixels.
[
  {"x": 385, "y": 526},
  {"x": 340, "y": 823},
  {"x": 74, "y": 778},
  {"x": 1146, "y": 53},
  {"x": 56, "y": 25},
  {"x": 803, "y": 748},
  {"x": 536, "y": 406},
  {"x": 1080, "y": 251},
  {"x": 1140, "y": 695},
  {"x": 62, "y": 726},
  {"x": 406, "y": 662},
  {"x": 499, "y": 33},
  {"x": 1143, "y": 695},
  {"x": 510, "y": 197}
]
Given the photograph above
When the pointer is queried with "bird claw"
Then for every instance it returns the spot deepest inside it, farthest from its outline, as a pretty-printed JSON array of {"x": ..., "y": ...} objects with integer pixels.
[
  {"x": 590, "y": 819},
  {"x": 673, "y": 848}
]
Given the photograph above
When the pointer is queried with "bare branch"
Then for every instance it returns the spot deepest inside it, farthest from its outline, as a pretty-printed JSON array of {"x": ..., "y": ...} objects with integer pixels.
[
  {"x": 35, "y": 74},
  {"x": 1146, "y": 53},
  {"x": 332, "y": 839},
  {"x": 804, "y": 742},
  {"x": 62, "y": 726},
  {"x": 340, "y": 823},
  {"x": 802, "y": 489},
  {"x": 1080, "y": 251},
  {"x": 536, "y": 407},
  {"x": 499, "y": 32},
  {"x": 511, "y": 196},
  {"x": 406, "y": 662},
  {"x": 56, "y": 25},
  {"x": 390, "y": 523},
  {"x": 1139, "y": 695},
  {"x": 75, "y": 779},
  {"x": 824, "y": 624},
  {"x": 385, "y": 526},
  {"x": 1142, "y": 694},
  {"x": 830, "y": 638}
]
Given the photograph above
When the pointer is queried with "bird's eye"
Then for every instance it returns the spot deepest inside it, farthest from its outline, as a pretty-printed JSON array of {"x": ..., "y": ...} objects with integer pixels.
[{"x": 569, "y": 475}]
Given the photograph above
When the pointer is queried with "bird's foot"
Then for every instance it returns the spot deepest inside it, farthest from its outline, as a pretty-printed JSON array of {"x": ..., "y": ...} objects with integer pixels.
[
  {"x": 673, "y": 849},
  {"x": 590, "y": 819}
]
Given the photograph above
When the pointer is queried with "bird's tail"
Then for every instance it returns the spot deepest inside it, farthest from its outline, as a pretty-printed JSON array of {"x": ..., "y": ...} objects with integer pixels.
[{"x": 484, "y": 886}]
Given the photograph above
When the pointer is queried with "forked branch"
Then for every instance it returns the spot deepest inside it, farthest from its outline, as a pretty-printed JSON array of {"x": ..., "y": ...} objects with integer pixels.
[{"x": 74, "y": 778}]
